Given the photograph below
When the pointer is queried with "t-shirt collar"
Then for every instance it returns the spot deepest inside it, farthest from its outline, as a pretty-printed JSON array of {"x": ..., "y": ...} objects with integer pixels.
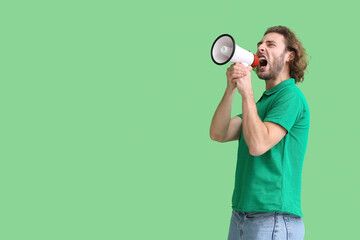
[{"x": 283, "y": 84}]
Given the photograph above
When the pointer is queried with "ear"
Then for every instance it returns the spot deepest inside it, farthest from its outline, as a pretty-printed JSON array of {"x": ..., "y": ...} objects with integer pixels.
[{"x": 291, "y": 56}]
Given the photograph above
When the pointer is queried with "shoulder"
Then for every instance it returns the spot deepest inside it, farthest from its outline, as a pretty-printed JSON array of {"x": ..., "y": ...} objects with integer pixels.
[
  {"x": 290, "y": 97},
  {"x": 293, "y": 95},
  {"x": 292, "y": 90}
]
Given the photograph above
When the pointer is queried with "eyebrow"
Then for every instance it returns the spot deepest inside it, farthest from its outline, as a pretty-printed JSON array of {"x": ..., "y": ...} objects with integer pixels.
[{"x": 266, "y": 41}]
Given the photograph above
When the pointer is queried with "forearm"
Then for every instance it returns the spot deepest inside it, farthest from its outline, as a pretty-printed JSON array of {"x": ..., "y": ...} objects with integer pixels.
[
  {"x": 254, "y": 130},
  {"x": 221, "y": 119}
]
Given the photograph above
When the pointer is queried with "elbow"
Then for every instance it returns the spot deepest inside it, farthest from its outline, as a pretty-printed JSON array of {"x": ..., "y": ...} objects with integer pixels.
[
  {"x": 214, "y": 138},
  {"x": 256, "y": 151}
]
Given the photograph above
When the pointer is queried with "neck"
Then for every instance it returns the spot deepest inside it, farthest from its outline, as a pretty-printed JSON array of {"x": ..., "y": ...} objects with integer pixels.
[{"x": 284, "y": 75}]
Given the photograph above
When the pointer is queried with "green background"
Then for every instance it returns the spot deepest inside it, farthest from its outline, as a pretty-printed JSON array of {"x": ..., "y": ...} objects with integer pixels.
[{"x": 106, "y": 108}]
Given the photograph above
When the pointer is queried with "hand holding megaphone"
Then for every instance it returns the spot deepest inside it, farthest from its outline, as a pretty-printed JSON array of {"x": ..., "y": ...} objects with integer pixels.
[
  {"x": 225, "y": 50},
  {"x": 238, "y": 75}
]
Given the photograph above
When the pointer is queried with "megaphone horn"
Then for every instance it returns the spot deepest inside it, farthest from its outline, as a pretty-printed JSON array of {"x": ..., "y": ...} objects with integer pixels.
[{"x": 225, "y": 50}]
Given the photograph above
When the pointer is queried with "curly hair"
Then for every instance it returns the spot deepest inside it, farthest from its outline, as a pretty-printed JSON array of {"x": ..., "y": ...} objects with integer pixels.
[{"x": 299, "y": 63}]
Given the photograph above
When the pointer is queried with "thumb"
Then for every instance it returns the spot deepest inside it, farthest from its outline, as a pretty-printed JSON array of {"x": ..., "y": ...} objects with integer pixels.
[{"x": 249, "y": 68}]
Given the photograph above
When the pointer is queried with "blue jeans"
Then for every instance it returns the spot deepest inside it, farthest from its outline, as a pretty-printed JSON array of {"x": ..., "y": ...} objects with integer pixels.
[{"x": 265, "y": 226}]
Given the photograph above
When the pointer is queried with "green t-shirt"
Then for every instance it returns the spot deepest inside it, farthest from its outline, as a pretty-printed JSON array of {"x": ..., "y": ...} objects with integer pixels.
[{"x": 272, "y": 182}]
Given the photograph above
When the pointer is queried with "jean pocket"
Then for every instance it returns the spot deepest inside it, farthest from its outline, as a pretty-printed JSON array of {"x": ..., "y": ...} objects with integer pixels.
[
  {"x": 259, "y": 215},
  {"x": 294, "y": 225},
  {"x": 291, "y": 217}
]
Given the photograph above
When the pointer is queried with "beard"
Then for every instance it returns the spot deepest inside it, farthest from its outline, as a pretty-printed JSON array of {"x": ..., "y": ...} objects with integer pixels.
[{"x": 277, "y": 66}]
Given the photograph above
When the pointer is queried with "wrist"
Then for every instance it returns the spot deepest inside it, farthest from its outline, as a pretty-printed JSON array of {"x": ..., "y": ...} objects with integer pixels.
[
  {"x": 230, "y": 90},
  {"x": 247, "y": 95}
]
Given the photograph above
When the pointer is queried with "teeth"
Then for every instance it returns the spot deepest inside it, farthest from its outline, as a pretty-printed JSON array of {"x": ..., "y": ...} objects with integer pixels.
[{"x": 262, "y": 58}]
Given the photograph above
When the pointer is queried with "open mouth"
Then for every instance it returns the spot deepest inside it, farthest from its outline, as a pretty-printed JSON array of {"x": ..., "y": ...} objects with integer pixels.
[{"x": 262, "y": 63}]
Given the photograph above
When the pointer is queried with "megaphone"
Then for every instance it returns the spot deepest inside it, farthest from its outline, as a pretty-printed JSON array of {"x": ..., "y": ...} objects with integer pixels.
[{"x": 225, "y": 50}]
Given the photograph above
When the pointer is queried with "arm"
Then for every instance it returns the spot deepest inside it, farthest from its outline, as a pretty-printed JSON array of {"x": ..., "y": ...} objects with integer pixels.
[
  {"x": 234, "y": 129},
  {"x": 224, "y": 129},
  {"x": 259, "y": 136},
  {"x": 221, "y": 119}
]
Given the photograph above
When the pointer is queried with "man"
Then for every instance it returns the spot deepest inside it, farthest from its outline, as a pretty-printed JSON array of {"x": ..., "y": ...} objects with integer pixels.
[{"x": 272, "y": 135}]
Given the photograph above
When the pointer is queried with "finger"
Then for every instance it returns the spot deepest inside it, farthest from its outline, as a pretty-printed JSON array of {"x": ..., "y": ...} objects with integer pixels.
[
  {"x": 236, "y": 72},
  {"x": 237, "y": 75},
  {"x": 236, "y": 79},
  {"x": 239, "y": 67}
]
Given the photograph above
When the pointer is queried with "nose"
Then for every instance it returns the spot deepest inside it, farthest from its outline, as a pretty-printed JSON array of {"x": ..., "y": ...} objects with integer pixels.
[{"x": 261, "y": 48}]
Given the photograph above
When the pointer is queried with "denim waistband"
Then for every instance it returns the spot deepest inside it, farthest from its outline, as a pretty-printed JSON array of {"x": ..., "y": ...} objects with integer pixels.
[{"x": 265, "y": 213}]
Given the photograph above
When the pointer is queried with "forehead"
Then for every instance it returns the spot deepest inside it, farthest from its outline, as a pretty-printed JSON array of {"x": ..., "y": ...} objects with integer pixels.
[{"x": 275, "y": 37}]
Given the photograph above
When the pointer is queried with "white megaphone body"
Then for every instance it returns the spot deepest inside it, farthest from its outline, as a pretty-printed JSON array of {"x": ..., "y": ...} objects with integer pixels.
[{"x": 225, "y": 50}]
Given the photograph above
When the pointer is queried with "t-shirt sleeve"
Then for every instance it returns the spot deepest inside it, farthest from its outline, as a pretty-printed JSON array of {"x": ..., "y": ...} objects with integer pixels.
[
  {"x": 285, "y": 110},
  {"x": 240, "y": 115}
]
